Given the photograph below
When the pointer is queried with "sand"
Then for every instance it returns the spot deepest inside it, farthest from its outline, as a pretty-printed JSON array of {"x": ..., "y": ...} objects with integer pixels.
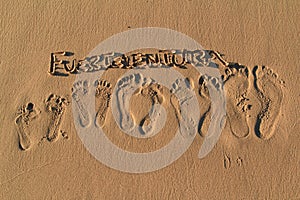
[{"x": 255, "y": 46}]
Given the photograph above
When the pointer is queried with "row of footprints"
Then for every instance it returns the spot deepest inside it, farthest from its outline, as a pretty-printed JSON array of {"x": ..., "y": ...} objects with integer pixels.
[
  {"x": 55, "y": 106},
  {"x": 135, "y": 84},
  {"x": 266, "y": 88},
  {"x": 235, "y": 80}
]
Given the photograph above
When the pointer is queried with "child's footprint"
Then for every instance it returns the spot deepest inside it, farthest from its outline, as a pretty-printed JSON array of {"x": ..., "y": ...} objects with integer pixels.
[
  {"x": 25, "y": 115},
  {"x": 79, "y": 90},
  {"x": 56, "y": 105},
  {"x": 182, "y": 93},
  {"x": 269, "y": 93},
  {"x": 103, "y": 97}
]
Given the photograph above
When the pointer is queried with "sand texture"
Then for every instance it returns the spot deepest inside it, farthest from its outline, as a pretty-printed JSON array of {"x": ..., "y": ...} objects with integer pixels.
[{"x": 253, "y": 44}]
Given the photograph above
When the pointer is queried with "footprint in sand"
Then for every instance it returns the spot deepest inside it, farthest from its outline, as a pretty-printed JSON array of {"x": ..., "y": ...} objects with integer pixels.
[
  {"x": 79, "y": 90},
  {"x": 269, "y": 93},
  {"x": 25, "y": 115},
  {"x": 125, "y": 89},
  {"x": 209, "y": 88},
  {"x": 56, "y": 105},
  {"x": 103, "y": 97},
  {"x": 182, "y": 93},
  {"x": 236, "y": 82},
  {"x": 154, "y": 91}
]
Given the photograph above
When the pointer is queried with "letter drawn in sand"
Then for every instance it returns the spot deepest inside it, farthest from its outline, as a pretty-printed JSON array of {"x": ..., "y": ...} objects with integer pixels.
[
  {"x": 56, "y": 106},
  {"x": 25, "y": 115},
  {"x": 57, "y": 62}
]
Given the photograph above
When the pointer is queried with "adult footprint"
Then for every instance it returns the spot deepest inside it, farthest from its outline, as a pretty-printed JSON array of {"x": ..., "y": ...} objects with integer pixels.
[
  {"x": 236, "y": 82},
  {"x": 210, "y": 89},
  {"x": 103, "y": 97},
  {"x": 269, "y": 93},
  {"x": 182, "y": 93},
  {"x": 154, "y": 91},
  {"x": 79, "y": 90},
  {"x": 25, "y": 115},
  {"x": 126, "y": 87}
]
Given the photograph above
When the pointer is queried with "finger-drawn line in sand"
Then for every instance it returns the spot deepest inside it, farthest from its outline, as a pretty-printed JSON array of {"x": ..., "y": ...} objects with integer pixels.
[
  {"x": 155, "y": 92},
  {"x": 126, "y": 87},
  {"x": 25, "y": 115},
  {"x": 56, "y": 106},
  {"x": 269, "y": 93},
  {"x": 79, "y": 90},
  {"x": 103, "y": 97},
  {"x": 182, "y": 93},
  {"x": 215, "y": 86}
]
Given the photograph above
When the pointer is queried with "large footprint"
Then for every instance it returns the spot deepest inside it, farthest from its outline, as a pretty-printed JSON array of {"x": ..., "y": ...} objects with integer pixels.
[
  {"x": 236, "y": 82},
  {"x": 154, "y": 91},
  {"x": 269, "y": 93},
  {"x": 126, "y": 87},
  {"x": 183, "y": 90},
  {"x": 210, "y": 89}
]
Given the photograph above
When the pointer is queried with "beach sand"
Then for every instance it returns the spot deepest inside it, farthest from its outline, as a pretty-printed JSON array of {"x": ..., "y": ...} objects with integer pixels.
[{"x": 257, "y": 155}]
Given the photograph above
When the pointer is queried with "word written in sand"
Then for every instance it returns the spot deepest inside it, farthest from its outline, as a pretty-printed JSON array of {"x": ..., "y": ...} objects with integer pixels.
[{"x": 163, "y": 58}]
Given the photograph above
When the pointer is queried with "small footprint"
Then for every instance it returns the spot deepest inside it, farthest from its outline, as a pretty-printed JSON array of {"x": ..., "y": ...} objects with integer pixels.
[
  {"x": 269, "y": 93},
  {"x": 155, "y": 92},
  {"x": 182, "y": 93},
  {"x": 56, "y": 106},
  {"x": 25, "y": 115},
  {"x": 126, "y": 87},
  {"x": 79, "y": 90},
  {"x": 103, "y": 97}
]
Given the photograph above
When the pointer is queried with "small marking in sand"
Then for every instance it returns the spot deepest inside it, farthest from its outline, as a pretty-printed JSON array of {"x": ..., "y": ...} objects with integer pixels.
[
  {"x": 182, "y": 93},
  {"x": 239, "y": 161},
  {"x": 25, "y": 115},
  {"x": 64, "y": 134},
  {"x": 103, "y": 97},
  {"x": 269, "y": 93},
  {"x": 227, "y": 162},
  {"x": 56, "y": 106},
  {"x": 79, "y": 90},
  {"x": 155, "y": 92}
]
